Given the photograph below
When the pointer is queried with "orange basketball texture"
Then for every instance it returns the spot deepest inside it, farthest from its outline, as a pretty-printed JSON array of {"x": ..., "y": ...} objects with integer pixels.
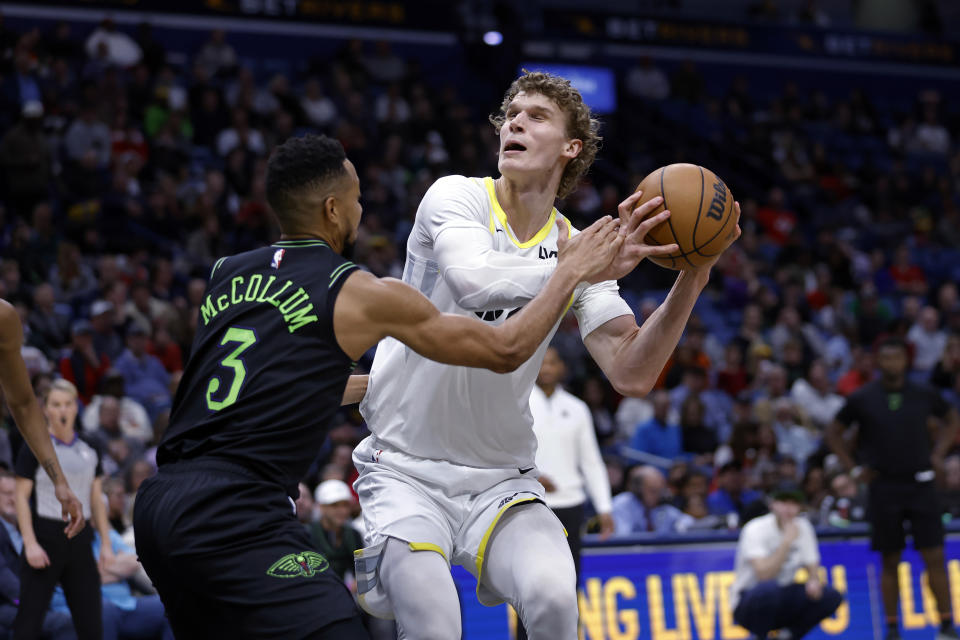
[{"x": 701, "y": 213}]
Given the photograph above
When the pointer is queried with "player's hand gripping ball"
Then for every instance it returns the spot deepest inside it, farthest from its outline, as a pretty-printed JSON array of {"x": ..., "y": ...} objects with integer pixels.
[{"x": 702, "y": 216}]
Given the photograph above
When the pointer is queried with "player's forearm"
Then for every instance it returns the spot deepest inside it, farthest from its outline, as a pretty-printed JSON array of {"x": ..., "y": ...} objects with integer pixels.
[
  {"x": 33, "y": 427},
  {"x": 482, "y": 279},
  {"x": 25, "y": 520},
  {"x": 642, "y": 356},
  {"x": 355, "y": 390},
  {"x": 768, "y": 568},
  {"x": 99, "y": 513},
  {"x": 834, "y": 437},
  {"x": 520, "y": 336},
  {"x": 948, "y": 435}
]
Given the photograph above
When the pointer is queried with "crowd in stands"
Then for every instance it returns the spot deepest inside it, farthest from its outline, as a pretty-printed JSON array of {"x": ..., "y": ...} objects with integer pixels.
[{"x": 124, "y": 177}]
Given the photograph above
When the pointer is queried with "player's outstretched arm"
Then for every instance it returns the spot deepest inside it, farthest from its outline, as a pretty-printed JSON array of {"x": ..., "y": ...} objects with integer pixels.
[
  {"x": 632, "y": 357},
  {"x": 26, "y": 413},
  {"x": 369, "y": 309}
]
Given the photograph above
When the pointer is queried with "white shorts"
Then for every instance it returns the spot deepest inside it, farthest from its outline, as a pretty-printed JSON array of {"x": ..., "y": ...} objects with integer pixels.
[{"x": 432, "y": 505}]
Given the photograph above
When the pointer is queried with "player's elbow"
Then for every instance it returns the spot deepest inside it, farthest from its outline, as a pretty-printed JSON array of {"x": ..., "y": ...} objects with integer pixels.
[
  {"x": 633, "y": 386},
  {"x": 509, "y": 359}
]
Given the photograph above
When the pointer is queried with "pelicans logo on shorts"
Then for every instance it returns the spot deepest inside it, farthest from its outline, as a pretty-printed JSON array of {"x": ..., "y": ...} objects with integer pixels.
[{"x": 305, "y": 564}]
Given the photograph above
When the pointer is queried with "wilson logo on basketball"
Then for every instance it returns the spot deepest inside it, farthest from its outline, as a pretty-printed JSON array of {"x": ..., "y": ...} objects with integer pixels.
[{"x": 719, "y": 203}]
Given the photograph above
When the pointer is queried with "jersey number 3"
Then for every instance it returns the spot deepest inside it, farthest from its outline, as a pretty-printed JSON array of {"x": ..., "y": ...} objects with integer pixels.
[{"x": 244, "y": 339}]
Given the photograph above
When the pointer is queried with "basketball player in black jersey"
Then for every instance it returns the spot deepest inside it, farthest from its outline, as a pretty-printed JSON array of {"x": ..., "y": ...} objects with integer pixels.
[{"x": 278, "y": 333}]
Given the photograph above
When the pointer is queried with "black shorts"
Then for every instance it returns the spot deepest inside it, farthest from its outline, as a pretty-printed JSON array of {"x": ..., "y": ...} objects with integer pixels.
[
  {"x": 893, "y": 502},
  {"x": 230, "y": 559}
]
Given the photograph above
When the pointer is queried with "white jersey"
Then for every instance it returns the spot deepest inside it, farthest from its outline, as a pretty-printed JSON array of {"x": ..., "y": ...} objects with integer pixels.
[{"x": 463, "y": 255}]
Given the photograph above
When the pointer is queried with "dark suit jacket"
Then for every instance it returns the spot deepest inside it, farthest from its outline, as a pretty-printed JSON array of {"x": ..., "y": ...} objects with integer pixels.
[{"x": 9, "y": 569}]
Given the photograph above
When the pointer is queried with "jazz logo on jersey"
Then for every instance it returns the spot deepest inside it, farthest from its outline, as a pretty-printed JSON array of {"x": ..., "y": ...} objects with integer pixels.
[
  {"x": 277, "y": 257},
  {"x": 305, "y": 564}
]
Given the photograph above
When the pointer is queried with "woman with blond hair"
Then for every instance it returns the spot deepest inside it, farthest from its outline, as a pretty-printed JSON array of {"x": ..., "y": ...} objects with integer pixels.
[{"x": 50, "y": 556}]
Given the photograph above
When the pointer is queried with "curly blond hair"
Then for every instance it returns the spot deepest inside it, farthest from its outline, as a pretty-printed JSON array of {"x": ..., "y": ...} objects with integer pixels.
[{"x": 580, "y": 123}]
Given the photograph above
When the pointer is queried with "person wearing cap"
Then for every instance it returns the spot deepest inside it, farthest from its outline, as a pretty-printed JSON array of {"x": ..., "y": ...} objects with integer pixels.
[
  {"x": 145, "y": 379},
  {"x": 106, "y": 340},
  {"x": 332, "y": 534},
  {"x": 82, "y": 365},
  {"x": 771, "y": 550},
  {"x": 25, "y": 158}
]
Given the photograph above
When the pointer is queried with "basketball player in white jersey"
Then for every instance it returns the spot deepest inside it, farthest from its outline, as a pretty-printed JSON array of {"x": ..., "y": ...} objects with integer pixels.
[{"x": 448, "y": 474}]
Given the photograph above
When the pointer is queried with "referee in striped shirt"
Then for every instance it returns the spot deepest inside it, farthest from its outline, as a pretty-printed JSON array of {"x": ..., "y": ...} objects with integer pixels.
[{"x": 50, "y": 556}]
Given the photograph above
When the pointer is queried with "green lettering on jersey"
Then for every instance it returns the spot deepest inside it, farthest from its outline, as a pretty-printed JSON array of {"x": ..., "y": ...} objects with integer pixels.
[
  {"x": 222, "y": 303},
  {"x": 235, "y": 284},
  {"x": 207, "y": 311},
  {"x": 273, "y": 298},
  {"x": 253, "y": 287},
  {"x": 266, "y": 287},
  {"x": 298, "y": 318},
  {"x": 293, "y": 301}
]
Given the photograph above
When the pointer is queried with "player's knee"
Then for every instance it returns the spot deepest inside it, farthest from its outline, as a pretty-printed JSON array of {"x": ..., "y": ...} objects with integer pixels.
[
  {"x": 550, "y": 592},
  {"x": 440, "y": 623}
]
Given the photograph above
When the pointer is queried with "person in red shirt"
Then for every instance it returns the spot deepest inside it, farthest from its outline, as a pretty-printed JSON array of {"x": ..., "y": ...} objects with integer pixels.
[
  {"x": 861, "y": 373},
  {"x": 908, "y": 278},
  {"x": 777, "y": 221},
  {"x": 82, "y": 365}
]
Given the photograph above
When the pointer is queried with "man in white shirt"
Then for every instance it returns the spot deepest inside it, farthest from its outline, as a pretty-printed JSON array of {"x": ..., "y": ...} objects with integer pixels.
[
  {"x": 771, "y": 549},
  {"x": 568, "y": 456},
  {"x": 445, "y": 478}
]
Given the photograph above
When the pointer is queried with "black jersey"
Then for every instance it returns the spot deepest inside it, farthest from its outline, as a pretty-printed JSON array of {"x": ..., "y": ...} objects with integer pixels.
[
  {"x": 893, "y": 437},
  {"x": 265, "y": 375}
]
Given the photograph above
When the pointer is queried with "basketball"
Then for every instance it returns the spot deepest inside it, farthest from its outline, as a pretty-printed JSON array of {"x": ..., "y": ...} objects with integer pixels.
[{"x": 701, "y": 213}]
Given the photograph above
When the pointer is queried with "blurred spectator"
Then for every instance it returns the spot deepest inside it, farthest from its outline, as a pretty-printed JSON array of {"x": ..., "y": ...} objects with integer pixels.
[
  {"x": 332, "y": 534},
  {"x": 118, "y": 510},
  {"x": 595, "y": 395},
  {"x": 844, "y": 504},
  {"x": 697, "y": 439},
  {"x": 144, "y": 377},
  {"x": 106, "y": 341},
  {"x": 57, "y": 625},
  {"x": 217, "y": 57},
  {"x": 26, "y": 160},
  {"x": 166, "y": 350},
  {"x": 319, "y": 109},
  {"x": 641, "y": 507},
  {"x": 240, "y": 135},
  {"x": 72, "y": 280},
  {"x": 133, "y": 419},
  {"x": 928, "y": 340},
  {"x": 384, "y": 66},
  {"x": 686, "y": 83},
  {"x": 125, "y": 615},
  {"x": 948, "y": 367},
  {"x": 659, "y": 436},
  {"x": 861, "y": 373},
  {"x": 770, "y": 551},
  {"x": 82, "y": 365},
  {"x": 730, "y": 499},
  {"x": 907, "y": 276},
  {"x": 732, "y": 378},
  {"x": 647, "y": 81},
  {"x": 814, "y": 394},
  {"x": 48, "y": 324},
  {"x": 121, "y": 49}
]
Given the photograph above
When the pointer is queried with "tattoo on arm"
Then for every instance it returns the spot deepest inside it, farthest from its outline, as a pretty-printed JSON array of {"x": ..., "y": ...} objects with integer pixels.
[{"x": 50, "y": 466}]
